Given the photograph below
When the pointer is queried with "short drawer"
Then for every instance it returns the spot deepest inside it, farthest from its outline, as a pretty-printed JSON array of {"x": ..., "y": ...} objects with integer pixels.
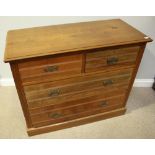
[
  {"x": 93, "y": 107},
  {"x": 48, "y": 69},
  {"x": 112, "y": 58},
  {"x": 73, "y": 89}
]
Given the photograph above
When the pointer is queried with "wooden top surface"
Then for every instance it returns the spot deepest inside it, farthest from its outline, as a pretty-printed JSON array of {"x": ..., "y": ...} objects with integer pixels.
[{"x": 49, "y": 40}]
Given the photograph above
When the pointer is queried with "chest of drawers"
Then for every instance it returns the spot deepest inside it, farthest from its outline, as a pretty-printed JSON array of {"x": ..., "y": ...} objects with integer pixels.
[{"x": 72, "y": 74}]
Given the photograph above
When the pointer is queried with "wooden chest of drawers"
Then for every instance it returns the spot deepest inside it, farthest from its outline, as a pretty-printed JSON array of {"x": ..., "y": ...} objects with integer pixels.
[{"x": 73, "y": 74}]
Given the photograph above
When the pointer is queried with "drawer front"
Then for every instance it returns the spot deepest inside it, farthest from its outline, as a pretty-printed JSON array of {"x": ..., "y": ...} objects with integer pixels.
[
  {"x": 58, "y": 92},
  {"x": 103, "y": 59},
  {"x": 93, "y": 107},
  {"x": 85, "y": 98},
  {"x": 49, "y": 69}
]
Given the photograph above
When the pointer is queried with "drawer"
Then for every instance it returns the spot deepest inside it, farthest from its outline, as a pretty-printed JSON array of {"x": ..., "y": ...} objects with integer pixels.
[
  {"x": 60, "y": 91},
  {"x": 65, "y": 114},
  {"x": 87, "y": 97},
  {"x": 113, "y": 58},
  {"x": 48, "y": 69}
]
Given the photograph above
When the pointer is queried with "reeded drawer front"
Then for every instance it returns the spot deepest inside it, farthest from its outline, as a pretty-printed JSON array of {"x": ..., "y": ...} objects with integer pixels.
[
  {"x": 55, "y": 92},
  {"x": 92, "y": 107},
  {"x": 48, "y": 69},
  {"x": 113, "y": 58}
]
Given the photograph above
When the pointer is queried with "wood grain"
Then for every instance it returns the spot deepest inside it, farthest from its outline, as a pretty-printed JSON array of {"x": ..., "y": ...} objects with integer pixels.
[
  {"x": 49, "y": 40},
  {"x": 105, "y": 52},
  {"x": 98, "y": 60},
  {"x": 138, "y": 61},
  {"x": 74, "y": 98},
  {"x": 21, "y": 93},
  {"x": 99, "y": 96},
  {"x": 60, "y": 114},
  {"x": 49, "y": 60},
  {"x": 86, "y": 85},
  {"x": 125, "y": 70},
  {"x": 78, "y": 115},
  {"x": 73, "y": 74},
  {"x": 76, "y": 122}
]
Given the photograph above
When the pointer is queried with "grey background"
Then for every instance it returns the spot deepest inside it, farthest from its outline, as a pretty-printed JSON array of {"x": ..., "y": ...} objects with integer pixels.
[{"x": 144, "y": 24}]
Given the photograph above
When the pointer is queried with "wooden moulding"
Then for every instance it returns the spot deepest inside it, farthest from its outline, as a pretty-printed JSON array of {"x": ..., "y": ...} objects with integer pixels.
[{"x": 76, "y": 122}]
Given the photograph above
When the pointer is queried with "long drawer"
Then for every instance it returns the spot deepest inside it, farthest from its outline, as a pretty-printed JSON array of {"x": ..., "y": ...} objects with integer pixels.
[
  {"x": 75, "y": 88},
  {"x": 112, "y": 58},
  {"x": 50, "y": 69},
  {"x": 83, "y": 98},
  {"x": 73, "y": 112}
]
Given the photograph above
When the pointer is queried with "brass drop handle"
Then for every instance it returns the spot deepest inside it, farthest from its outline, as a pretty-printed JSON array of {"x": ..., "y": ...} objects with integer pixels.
[
  {"x": 51, "y": 68},
  {"x": 112, "y": 60},
  {"x": 108, "y": 82},
  {"x": 55, "y": 92},
  {"x": 54, "y": 115},
  {"x": 104, "y": 103}
]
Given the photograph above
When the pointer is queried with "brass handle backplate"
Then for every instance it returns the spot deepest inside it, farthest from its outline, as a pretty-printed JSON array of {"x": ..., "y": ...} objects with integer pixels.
[
  {"x": 108, "y": 82},
  {"x": 54, "y": 115},
  {"x": 51, "y": 68},
  {"x": 112, "y": 60},
  {"x": 55, "y": 92}
]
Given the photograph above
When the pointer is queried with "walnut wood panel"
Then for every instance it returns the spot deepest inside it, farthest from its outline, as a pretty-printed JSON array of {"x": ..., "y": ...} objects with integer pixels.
[
  {"x": 101, "y": 80},
  {"x": 77, "y": 115},
  {"x": 21, "y": 94},
  {"x": 84, "y": 99},
  {"x": 60, "y": 113},
  {"x": 48, "y": 69},
  {"x": 70, "y": 90},
  {"x": 49, "y": 40},
  {"x": 76, "y": 122},
  {"x": 76, "y": 96},
  {"x": 111, "y": 58},
  {"x": 138, "y": 61}
]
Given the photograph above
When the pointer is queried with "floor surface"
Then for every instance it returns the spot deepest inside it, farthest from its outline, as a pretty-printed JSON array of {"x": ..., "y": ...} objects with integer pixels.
[{"x": 138, "y": 122}]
